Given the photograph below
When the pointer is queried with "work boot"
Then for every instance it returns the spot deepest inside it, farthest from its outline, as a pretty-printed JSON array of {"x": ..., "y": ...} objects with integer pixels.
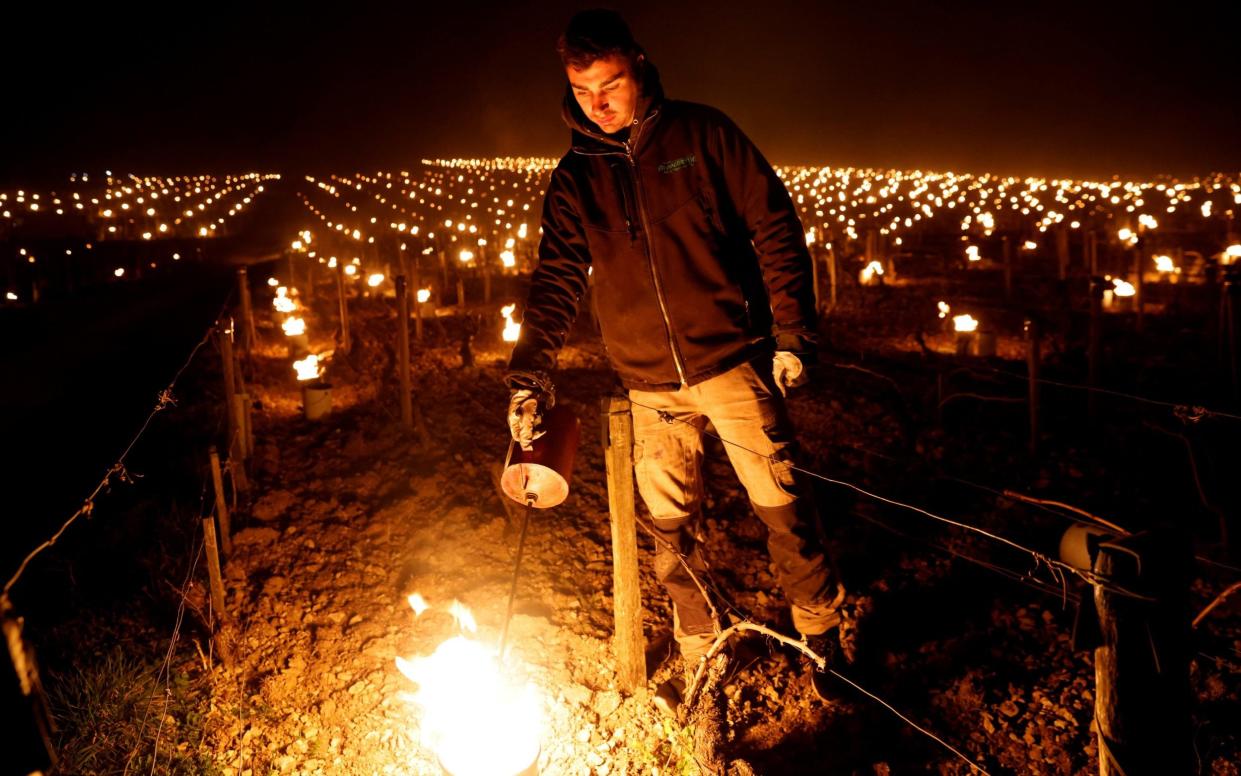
[
  {"x": 670, "y": 693},
  {"x": 826, "y": 645}
]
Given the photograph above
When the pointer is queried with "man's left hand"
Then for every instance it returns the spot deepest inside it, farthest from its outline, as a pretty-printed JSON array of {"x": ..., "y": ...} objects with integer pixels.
[{"x": 788, "y": 371}]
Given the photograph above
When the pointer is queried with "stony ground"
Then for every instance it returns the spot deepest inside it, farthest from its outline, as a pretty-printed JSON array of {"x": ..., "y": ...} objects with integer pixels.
[{"x": 352, "y": 514}]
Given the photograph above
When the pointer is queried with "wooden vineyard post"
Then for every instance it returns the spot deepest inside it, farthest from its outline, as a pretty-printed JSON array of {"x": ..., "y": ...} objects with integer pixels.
[
  {"x": 227, "y": 363},
  {"x": 1008, "y": 267},
  {"x": 1062, "y": 252},
  {"x": 626, "y": 593},
  {"x": 831, "y": 277},
  {"x": 814, "y": 281},
  {"x": 414, "y": 291},
  {"x": 247, "y": 314},
  {"x": 344, "y": 307},
  {"x": 1093, "y": 345},
  {"x": 1032, "y": 367},
  {"x": 402, "y": 354},
  {"x": 221, "y": 504},
  {"x": 1142, "y": 690},
  {"x": 214, "y": 575}
]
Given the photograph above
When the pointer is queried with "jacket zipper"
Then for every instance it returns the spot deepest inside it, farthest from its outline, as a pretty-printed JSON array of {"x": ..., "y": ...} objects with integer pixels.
[{"x": 630, "y": 145}]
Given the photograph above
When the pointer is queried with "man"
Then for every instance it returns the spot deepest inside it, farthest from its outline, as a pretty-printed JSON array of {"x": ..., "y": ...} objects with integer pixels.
[{"x": 704, "y": 297}]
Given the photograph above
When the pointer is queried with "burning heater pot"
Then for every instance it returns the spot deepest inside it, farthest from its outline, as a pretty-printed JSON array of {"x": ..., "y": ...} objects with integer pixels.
[{"x": 316, "y": 394}]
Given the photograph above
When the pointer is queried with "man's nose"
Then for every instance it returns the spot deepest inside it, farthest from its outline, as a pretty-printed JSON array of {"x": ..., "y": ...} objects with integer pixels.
[{"x": 600, "y": 104}]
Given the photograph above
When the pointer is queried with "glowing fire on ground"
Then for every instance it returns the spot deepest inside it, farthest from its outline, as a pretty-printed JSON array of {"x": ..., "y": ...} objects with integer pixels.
[
  {"x": 871, "y": 273},
  {"x": 424, "y": 295},
  {"x": 964, "y": 322},
  {"x": 308, "y": 368},
  {"x": 511, "y": 327},
  {"x": 476, "y": 720}
]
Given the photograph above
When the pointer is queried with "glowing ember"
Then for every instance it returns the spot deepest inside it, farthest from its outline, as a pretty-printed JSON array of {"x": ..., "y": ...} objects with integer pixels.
[
  {"x": 308, "y": 368},
  {"x": 119, "y": 272},
  {"x": 871, "y": 273},
  {"x": 972, "y": 254},
  {"x": 964, "y": 322},
  {"x": 511, "y": 327},
  {"x": 466, "y": 255},
  {"x": 273, "y": 282},
  {"x": 1164, "y": 264},
  {"x": 374, "y": 279},
  {"x": 1030, "y": 245},
  {"x": 1232, "y": 254},
  {"x": 283, "y": 302},
  {"x": 1122, "y": 287},
  {"x": 351, "y": 269},
  {"x": 508, "y": 258},
  {"x": 944, "y": 309},
  {"x": 294, "y": 326},
  {"x": 424, "y": 295},
  {"x": 462, "y": 696}
]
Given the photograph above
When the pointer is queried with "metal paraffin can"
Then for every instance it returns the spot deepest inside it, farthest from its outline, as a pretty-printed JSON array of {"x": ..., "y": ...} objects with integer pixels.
[{"x": 543, "y": 473}]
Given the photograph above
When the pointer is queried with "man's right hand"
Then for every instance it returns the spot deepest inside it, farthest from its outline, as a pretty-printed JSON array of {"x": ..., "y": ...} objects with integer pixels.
[{"x": 526, "y": 408}]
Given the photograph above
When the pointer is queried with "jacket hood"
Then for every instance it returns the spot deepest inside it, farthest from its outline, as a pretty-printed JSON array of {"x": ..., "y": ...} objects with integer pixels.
[{"x": 586, "y": 132}]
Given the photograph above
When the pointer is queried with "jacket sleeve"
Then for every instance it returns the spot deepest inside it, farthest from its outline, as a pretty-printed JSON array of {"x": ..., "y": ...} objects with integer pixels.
[
  {"x": 556, "y": 286},
  {"x": 762, "y": 202}
]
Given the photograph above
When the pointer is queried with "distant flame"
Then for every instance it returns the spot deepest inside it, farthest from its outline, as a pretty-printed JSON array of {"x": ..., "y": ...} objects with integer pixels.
[
  {"x": 511, "y": 328},
  {"x": 374, "y": 279},
  {"x": 1123, "y": 287},
  {"x": 308, "y": 368},
  {"x": 424, "y": 294},
  {"x": 964, "y": 322},
  {"x": 1165, "y": 264},
  {"x": 1232, "y": 254},
  {"x": 294, "y": 326},
  {"x": 283, "y": 302},
  {"x": 477, "y": 721},
  {"x": 508, "y": 258},
  {"x": 972, "y": 254},
  {"x": 871, "y": 273}
]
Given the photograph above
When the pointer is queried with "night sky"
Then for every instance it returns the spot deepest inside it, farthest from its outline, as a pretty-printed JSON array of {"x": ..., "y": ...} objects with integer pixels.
[{"x": 1051, "y": 88}]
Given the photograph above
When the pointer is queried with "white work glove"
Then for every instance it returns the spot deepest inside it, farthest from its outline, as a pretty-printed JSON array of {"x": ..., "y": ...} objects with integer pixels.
[
  {"x": 788, "y": 371},
  {"x": 526, "y": 408}
]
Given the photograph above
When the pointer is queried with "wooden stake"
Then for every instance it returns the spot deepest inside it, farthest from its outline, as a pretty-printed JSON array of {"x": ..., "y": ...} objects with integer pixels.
[
  {"x": 402, "y": 355},
  {"x": 417, "y": 305},
  {"x": 343, "y": 307},
  {"x": 617, "y": 429},
  {"x": 214, "y": 574},
  {"x": 247, "y": 314},
  {"x": 1032, "y": 367},
  {"x": 1062, "y": 251},
  {"x": 1139, "y": 292},
  {"x": 221, "y": 504},
  {"x": 1008, "y": 267},
  {"x": 225, "y": 338},
  {"x": 831, "y": 275},
  {"x": 1094, "y": 338},
  {"x": 814, "y": 281},
  {"x": 1142, "y": 690}
]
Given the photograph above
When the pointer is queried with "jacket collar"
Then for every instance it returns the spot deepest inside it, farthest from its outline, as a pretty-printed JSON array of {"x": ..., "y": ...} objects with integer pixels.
[{"x": 587, "y": 138}]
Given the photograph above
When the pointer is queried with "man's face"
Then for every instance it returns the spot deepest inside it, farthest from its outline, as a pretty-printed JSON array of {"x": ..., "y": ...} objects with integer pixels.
[{"x": 607, "y": 92}]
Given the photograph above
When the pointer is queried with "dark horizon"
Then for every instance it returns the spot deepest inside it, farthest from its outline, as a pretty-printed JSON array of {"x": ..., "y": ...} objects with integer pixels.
[{"x": 1048, "y": 90}]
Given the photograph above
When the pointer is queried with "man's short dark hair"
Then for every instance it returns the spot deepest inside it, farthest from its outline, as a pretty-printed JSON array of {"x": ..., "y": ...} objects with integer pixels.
[{"x": 593, "y": 35}]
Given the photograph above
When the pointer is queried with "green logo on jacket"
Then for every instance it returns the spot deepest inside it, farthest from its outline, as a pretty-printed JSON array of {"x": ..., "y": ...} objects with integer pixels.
[{"x": 678, "y": 164}]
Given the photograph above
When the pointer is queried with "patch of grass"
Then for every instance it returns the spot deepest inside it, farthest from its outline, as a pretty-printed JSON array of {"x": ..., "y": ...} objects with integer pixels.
[{"x": 113, "y": 718}]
